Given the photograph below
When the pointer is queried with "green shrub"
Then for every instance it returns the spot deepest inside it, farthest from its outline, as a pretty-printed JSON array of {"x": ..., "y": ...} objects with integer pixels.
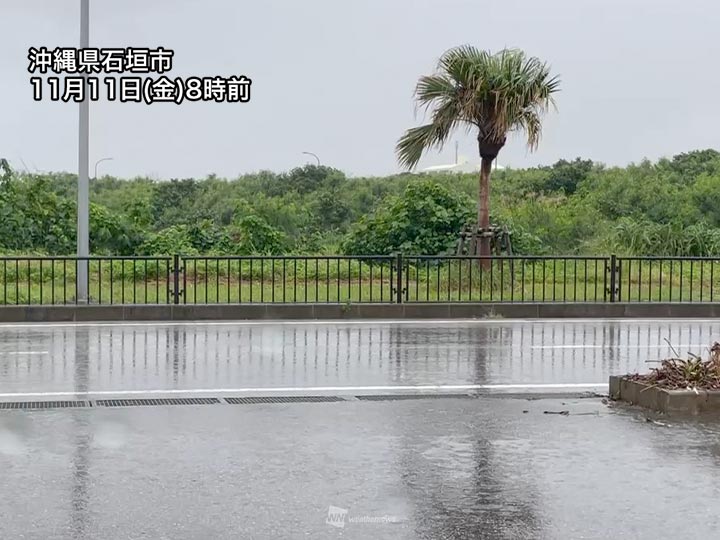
[
  {"x": 426, "y": 219},
  {"x": 169, "y": 241}
]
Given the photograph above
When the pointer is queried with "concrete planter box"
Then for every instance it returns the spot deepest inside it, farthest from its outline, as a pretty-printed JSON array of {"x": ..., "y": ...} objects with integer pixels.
[{"x": 662, "y": 400}]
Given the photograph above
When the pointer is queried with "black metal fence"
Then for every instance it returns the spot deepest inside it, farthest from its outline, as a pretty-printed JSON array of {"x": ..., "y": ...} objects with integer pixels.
[
  {"x": 306, "y": 279},
  {"x": 359, "y": 279},
  {"x": 110, "y": 280}
]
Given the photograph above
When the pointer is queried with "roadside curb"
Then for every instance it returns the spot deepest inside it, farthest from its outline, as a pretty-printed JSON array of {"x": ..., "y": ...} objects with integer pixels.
[{"x": 200, "y": 312}]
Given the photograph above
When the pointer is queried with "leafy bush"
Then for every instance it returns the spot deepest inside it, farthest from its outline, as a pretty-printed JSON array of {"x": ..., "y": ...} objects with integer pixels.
[
  {"x": 688, "y": 166},
  {"x": 169, "y": 241},
  {"x": 111, "y": 234},
  {"x": 565, "y": 176},
  {"x": 253, "y": 235},
  {"x": 172, "y": 202},
  {"x": 426, "y": 219},
  {"x": 547, "y": 225},
  {"x": 207, "y": 238},
  {"x": 668, "y": 207}
]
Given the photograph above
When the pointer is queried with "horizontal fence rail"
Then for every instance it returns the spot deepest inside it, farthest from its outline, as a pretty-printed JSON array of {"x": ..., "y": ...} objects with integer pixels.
[{"x": 358, "y": 279}]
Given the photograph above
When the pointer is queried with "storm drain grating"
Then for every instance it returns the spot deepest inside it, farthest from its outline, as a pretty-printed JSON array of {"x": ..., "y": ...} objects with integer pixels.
[
  {"x": 282, "y": 399},
  {"x": 155, "y": 402},
  {"x": 35, "y": 405},
  {"x": 245, "y": 400},
  {"x": 395, "y": 397}
]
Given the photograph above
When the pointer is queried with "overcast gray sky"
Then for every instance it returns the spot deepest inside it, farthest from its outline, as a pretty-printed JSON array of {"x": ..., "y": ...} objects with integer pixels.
[{"x": 335, "y": 77}]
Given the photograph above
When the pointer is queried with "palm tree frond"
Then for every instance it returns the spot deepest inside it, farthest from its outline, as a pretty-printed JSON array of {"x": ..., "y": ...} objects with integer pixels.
[
  {"x": 415, "y": 141},
  {"x": 497, "y": 93},
  {"x": 531, "y": 124},
  {"x": 434, "y": 89}
]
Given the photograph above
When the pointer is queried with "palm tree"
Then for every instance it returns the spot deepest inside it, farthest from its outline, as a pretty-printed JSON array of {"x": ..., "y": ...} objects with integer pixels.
[{"x": 493, "y": 93}]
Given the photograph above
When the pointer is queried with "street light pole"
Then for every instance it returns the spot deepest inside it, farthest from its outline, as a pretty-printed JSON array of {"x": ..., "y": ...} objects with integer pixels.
[
  {"x": 83, "y": 202},
  {"x": 100, "y": 161},
  {"x": 313, "y": 155}
]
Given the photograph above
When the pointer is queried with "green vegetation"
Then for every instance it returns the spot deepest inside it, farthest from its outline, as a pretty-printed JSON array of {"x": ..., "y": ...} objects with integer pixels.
[
  {"x": 671, "y": 207},
  {"x": 489, "y": 94},
  {"x": 316, "y": 213},
  {"x": 425, "y": 219}
]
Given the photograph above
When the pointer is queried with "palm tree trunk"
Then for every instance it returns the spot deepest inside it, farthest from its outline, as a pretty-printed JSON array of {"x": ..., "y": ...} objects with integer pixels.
[{"x": 484, "y": 208}]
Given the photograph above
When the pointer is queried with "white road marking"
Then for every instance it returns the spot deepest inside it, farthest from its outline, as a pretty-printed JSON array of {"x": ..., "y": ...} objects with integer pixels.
[
  {"x": 573, "y": 346},
  {"x": 584, "y": 346},
  {"x": 303, "y": 389}
]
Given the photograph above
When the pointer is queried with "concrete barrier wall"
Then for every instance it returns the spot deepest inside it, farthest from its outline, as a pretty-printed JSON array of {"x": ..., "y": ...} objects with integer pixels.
[{"x": 353, "y": 311}]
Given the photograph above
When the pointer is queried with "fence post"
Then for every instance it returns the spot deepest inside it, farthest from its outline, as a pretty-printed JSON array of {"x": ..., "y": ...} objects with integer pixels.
[
  {"x": 176, "y": 279},
  {"x": 613, "y": 278},
  {"x": 399, "y": 279}
]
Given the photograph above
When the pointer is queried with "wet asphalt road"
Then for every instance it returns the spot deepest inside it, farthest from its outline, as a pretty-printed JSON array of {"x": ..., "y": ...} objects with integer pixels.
[
  {"x": 450, "y": 468},
  {"x": 106, "y": 358},
  {"x": 488, "y": 467}
]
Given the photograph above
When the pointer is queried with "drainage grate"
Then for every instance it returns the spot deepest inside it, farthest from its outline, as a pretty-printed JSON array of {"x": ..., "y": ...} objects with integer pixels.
[
  {"x": 282, "y": 399},
  {"x": 153, "y": 402},
  {"x": 33, "y": 405},
  {"x": 395, "y": 397},
  {"x": 246, "y": 400}
]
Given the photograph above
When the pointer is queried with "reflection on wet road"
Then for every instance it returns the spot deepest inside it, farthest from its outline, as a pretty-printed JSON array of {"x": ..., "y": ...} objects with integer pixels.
[
  {"x": 495, "y": 468},
  {"x": 206, "y": 356},
  {"x": 451, "y": 468}
]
